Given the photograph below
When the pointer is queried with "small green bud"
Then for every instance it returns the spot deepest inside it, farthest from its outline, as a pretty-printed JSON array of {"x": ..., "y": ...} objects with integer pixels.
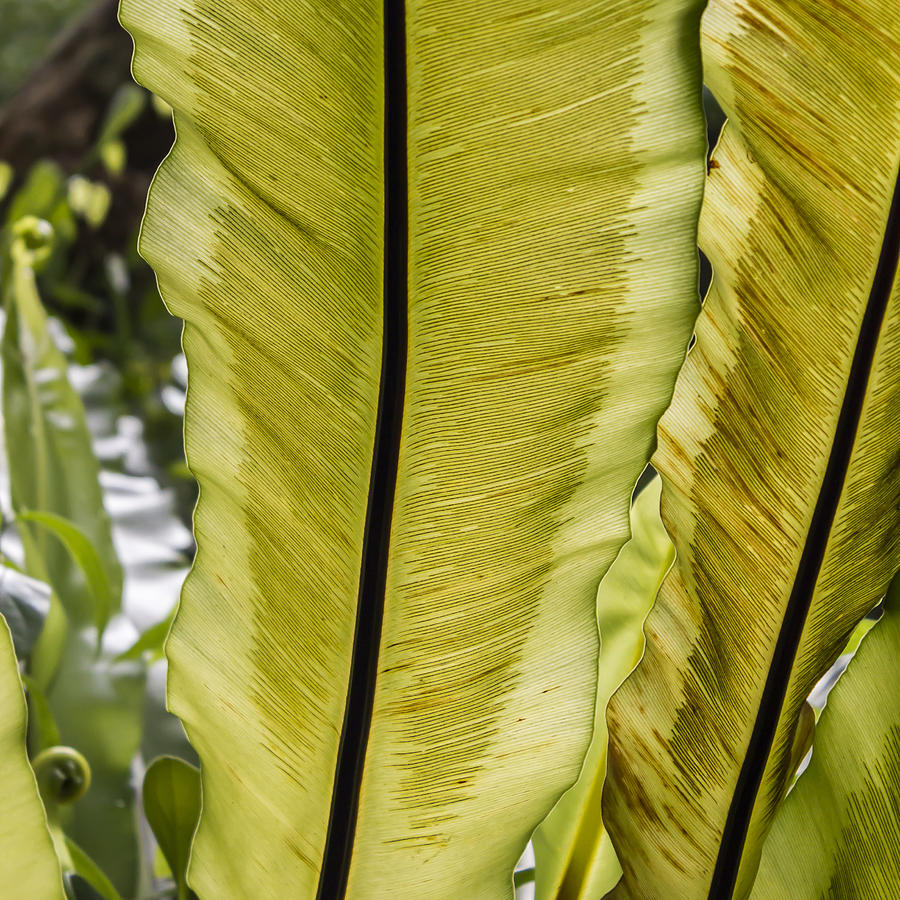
[
  {"x": 32, "y": 241},
  {"x": 63, "y": 774}
]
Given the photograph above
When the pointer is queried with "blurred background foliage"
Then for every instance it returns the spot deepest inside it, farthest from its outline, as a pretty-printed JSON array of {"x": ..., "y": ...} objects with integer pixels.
[
  {"x": 95, "y": 497},
  {"x": 29, "y": 30},
  {"x": 74, "y": 121}
]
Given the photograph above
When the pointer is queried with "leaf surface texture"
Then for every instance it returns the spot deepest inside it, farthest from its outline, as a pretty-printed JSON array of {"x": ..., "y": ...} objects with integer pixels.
[
  {"x": 837, "y": 834},
  {"x": 779, "y": 453},
  {"x": 27, "y": 857},
  {"x": 450, "y": 238}
]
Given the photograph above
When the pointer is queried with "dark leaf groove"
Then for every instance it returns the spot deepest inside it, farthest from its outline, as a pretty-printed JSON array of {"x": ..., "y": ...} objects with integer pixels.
[{"x": 373, "y": 573}]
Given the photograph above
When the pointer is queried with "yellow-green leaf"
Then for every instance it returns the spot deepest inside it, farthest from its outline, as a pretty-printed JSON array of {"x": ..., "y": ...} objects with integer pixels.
[
  {"x": 6, "y": 177},
  {"x": 438, "y": 271},
  {"x": 779, "y": 453},
  {"x": 575, "y": 859},
  {"x": 28, "y": 863},
  {"x": 838, "y": 832}
]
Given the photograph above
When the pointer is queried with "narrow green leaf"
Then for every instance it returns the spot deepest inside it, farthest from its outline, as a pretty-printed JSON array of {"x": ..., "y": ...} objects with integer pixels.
[
  {"x": 43, "y": 731},
  {"x": 575, "y": 858},
  {"x": 28, "y": 863},
  {"x": 172, "y": 806},
  {"x": 51, "y": 644},
  {"x": 128, "y": 102},
  {"x": 91, "y": 872},
  {"x": 837, "y": 835},
  {"x": 98, "y": 705},
  {"x": 85, "y": 556},
  {"x": 78, "y": 888},
  {"x": 6, "y": 177},
  {"x": 150, "y": 644}
]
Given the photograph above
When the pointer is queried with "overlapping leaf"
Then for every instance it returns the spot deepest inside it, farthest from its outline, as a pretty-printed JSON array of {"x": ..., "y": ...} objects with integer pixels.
[
  {"x": 838, "y": 832},
  {"x": 500, "y": 200},
  {"x": 779, "y": 453},
  {"x": 575, "y": 859}
]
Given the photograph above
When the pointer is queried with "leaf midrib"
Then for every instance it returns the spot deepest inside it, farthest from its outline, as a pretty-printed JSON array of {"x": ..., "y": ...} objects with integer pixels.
[
  {"x": 737, "y": 823},
  {"x": 339, "y": 838}
]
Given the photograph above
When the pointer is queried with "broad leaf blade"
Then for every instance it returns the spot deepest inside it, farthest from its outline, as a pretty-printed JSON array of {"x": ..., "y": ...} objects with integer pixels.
[
  {"x": 781, "y": 485},
  {"x": 522, "y": 286},
  {"x": 838, "y": 832},
  {"x": 575, "y": 858},
  {"x": 27, "y": 858}
]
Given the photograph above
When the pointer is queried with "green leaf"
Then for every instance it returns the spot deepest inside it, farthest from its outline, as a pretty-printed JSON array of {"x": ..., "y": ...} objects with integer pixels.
[
  {"x": 172, "y": 806},
  {"x": 27, "y": 858},
  {"x": 91, "y": 872},
  {"x": 781, "y": 477},
  {"x": 113, "y": 156},
  {"x": 89, "y": 199},
  {"x": 51, "y": 462},
  {"x": 128, "y": 102},
  {"x": 84, "y": 555},
  {"x": 575, "y": 858},
  {"x": 386, "y": 652},
  {"x": 40, "y": 194},
  {"x": 838, "y": 832},
  {"x": 24, "y": 603},
  {"x": 150, "y": 644},
  {"x": 7, "y": 173}
]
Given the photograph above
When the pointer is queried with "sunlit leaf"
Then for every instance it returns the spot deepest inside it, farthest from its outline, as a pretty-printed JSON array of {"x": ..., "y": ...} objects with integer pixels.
[
  {"x": 838, "y": 832},
  {"x": 484, "y": 215},
  {"x": 781, "y": 476},
  {"x": 150, "y": 643},
  {"x": 575, "y": 858},
  {"x": 85, "y": 556},
  {"x": 28, "y": 863}
]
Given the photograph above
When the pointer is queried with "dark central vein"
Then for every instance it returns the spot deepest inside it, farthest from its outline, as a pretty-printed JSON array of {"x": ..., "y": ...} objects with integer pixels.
[
  {"x": 734, "y": 836},
  {"x": 373, "y": 573}
]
